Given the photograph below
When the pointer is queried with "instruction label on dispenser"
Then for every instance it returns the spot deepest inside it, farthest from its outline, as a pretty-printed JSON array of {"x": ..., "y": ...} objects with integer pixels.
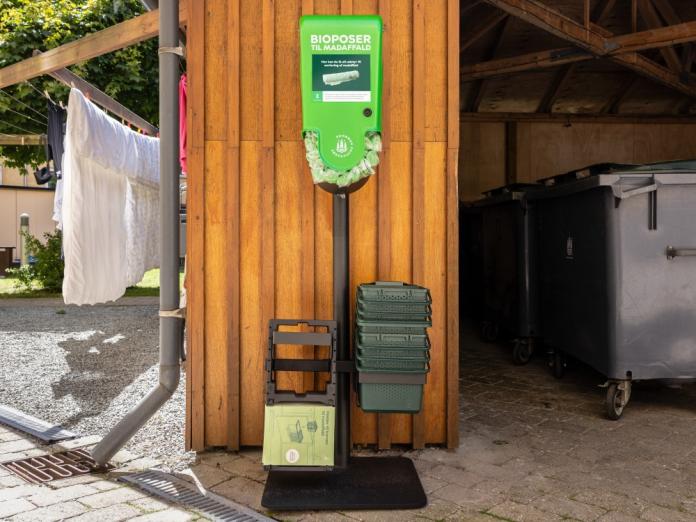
[{"x": 341, "y": 77}]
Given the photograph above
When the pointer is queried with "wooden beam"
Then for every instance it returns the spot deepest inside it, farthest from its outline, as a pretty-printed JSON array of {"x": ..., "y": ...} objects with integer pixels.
[
  {"x": 551, "y": 95},
  {"x": 479, "y": 88},
  {"x": 654, "y": 38},
  {"x": 111, "y": 39},
  {"x": 602, "y": 10},
  {"x": 599, "y": 14},
  {"x": 629, "y": 43},
  {"x": 620, "y": 49},
  {"x": 524, "y": 62},
  {"x": 466, "y": 8},
  {"x": 22, "y": 139},
  {"x": 482, "y": 29},
  {"x": 594, "y": 39},
  {"x": 624, "y": 91},
  {"x": 102, "y": 99},
  {"x": 653, "y": 21},
  {"x": 671, "y": 17},
  {"x": 556, "y": 117},
  {"x": 650, "y": 69},
  {"x": 688, "y": 58},
  {"x": 667, "y": 11},
  {"x": 552, "y": 21}
]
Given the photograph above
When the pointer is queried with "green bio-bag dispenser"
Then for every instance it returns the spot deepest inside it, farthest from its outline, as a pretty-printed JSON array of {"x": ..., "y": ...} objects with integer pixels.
[
  {"x": 341, "y": 77},
  {"x": 341, "y": 72}
]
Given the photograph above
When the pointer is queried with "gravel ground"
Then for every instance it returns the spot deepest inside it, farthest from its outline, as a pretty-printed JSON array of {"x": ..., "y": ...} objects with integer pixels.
[{"x": 85, "y": 367}]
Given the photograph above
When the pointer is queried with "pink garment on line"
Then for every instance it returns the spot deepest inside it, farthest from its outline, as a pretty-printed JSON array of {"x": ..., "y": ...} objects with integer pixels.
[{"x": 182, "y": 123}]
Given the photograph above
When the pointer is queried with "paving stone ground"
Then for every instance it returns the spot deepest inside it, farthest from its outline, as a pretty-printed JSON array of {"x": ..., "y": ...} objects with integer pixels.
[{"x": 533, "y": 448}]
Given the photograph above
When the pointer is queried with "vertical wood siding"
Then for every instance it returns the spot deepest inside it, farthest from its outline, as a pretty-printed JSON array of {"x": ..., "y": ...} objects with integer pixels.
[{"x": 260, "y": 242}]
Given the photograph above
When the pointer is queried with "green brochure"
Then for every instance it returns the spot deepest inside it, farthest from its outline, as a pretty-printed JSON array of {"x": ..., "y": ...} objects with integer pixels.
[{"x": 299, "y": 435}]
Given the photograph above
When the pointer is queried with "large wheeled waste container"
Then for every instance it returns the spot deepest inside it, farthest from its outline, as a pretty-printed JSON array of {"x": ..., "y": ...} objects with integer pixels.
[
  {"x": 509, "y": 259},
  {"x": 470, "y": 262},
  {"x": 618, "y": 274}
]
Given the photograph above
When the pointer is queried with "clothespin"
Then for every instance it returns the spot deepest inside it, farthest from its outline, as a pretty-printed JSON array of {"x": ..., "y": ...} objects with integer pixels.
[{"x": 48, "y": 96}]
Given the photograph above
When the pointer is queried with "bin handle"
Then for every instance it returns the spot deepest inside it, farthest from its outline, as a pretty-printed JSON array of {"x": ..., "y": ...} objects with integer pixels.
[
  {"x": 673, "y": 252},
  {"x": 625, "y": 194}
]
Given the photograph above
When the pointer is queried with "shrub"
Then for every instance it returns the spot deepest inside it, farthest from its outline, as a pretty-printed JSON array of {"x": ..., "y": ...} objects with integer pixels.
[{"x": 47, "y": 270}]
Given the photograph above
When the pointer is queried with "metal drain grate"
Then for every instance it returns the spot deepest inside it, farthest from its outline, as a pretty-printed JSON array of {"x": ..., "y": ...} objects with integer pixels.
[
  {"x": 209, "y": 504},
  {"x": 47, "y": 468},
  {"x": 33, "y": 426}
]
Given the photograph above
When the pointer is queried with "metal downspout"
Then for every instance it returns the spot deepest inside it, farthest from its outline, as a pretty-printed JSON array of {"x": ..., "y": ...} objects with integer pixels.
[{"x": 171, "y": 333}]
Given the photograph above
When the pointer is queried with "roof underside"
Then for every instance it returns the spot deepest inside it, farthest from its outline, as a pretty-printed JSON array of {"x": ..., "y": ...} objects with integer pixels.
[{"x": 596, "y": 85}]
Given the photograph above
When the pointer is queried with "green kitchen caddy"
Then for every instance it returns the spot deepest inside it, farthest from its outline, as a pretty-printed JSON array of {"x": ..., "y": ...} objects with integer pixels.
[{"x": 392, "y": 349}]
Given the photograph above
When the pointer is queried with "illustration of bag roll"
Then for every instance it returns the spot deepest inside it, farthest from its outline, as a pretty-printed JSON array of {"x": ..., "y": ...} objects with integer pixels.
[{"x": 342, "y": 77}]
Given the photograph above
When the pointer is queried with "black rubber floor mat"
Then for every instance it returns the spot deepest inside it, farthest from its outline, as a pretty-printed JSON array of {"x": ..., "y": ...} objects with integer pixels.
[
  {"x": 367, "y": 483},
  {"x": 36, "y": 427}
]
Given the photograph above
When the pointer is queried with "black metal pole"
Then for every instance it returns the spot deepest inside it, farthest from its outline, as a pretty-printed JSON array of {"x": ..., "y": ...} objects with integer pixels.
[{"x": 340, "y": 299}]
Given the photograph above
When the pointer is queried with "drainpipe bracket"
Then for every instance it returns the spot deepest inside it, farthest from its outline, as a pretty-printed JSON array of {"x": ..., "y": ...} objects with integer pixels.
[
  {"x": 179, "y": 51},
  {"x": 179, "y": 313}
]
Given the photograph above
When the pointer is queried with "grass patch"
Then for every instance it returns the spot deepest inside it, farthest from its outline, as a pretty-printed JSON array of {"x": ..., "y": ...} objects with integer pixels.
[{"x": 149, "y": 286}]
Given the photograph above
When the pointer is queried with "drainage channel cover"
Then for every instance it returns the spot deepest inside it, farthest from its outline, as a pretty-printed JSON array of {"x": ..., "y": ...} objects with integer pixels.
[
  {"x": 33, "y": 426},
  {"x": 47, "y": 468},
  {"x": 176, "y": 490}
]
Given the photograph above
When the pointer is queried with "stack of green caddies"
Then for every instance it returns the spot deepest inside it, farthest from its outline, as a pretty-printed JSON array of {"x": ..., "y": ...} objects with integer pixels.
[{"x": 392, "y": 349}]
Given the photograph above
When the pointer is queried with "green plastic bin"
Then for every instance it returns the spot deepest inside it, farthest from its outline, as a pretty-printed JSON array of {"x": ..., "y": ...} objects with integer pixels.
[
  {"x": 391, "y": 291},
  {"x": 390, "y": 398},
  {"x": 386, "y": 397},
  {"x": 400, "y": 325},
  {"x": 395, "y": 308},
  {"x": 400, "y": 340},
  {"x": 367, "y": 327},
  {"x": 391, "y": 363},
  {"x": 385, "y": 315},
  {"x": 393, "y": 353}
]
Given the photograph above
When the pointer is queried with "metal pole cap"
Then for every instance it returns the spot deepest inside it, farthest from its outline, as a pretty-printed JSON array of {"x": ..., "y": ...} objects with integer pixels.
[{"x": 24, "y": 219}]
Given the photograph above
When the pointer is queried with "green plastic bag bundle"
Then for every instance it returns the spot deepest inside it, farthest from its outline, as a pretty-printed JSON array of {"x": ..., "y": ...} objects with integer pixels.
[{"x": 324, "y": 174}]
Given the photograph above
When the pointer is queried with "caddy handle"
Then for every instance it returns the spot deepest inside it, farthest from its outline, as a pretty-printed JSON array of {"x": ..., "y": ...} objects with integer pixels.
[{"x": 673, "y": 252}]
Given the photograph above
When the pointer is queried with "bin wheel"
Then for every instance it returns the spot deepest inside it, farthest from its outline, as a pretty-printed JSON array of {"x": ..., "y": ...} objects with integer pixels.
[
  {"x": 489, "y": 331},
  {"x": 615, "y": 401},
  {"x": 522, "y": 351},
  {"x": 558, "y": 364}
]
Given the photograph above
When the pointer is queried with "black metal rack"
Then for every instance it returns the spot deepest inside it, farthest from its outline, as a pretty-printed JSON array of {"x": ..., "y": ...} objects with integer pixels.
[{"x": 353, "y": 482}]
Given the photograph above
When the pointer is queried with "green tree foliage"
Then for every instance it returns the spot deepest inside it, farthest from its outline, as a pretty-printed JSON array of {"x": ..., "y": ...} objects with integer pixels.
[
  {"x": 48, "y": 266},
  {"x": 129, "y": 75}
]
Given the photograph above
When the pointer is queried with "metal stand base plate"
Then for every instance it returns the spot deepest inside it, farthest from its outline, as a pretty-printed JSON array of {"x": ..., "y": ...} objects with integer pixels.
[{"x": 367, "y": 483}]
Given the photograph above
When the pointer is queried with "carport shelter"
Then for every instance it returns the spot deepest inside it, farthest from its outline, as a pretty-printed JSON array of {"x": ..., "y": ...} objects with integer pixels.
[{"x": 536, "y": 89}]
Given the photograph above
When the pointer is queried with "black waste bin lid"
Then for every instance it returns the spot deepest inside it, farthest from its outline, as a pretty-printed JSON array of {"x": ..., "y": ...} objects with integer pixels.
[
  {"x": 587, "y": 171},
  {"x": 670, "y": 166},
  {"x": 511, "y": 192}
]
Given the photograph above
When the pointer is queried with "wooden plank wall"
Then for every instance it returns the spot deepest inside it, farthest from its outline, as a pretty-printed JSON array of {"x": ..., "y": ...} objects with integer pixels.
[
  {"x": 260, "y": 233},
  {"x": 544, "y": 149}
]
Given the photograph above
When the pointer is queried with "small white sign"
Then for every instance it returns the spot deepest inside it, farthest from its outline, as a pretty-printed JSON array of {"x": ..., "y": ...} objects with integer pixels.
[
  {"x": 292, "y": 455},
  {"x": 345, "y": 96}
]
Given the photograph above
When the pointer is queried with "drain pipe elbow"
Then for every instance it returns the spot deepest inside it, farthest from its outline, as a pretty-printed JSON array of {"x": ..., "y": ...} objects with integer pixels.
[
  {"x": 171, "y": 331},
  {"x": 169, "y": 378}
]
